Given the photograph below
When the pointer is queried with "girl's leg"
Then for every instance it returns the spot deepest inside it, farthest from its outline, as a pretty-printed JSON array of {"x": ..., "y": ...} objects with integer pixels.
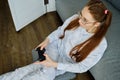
[
  {"x": 41, "y": 74},
  {"x": 19, "y": 73},
  {"x": 52, "y": 51},
  {"x": 49, "y": 73}
]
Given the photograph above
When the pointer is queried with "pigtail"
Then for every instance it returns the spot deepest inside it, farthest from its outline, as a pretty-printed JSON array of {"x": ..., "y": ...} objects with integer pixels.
[{"x": 98, "y": 10}]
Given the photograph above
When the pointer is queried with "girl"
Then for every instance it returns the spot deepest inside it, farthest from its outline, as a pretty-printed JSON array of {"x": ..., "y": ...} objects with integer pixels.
[{"x": 76, "y": 46}]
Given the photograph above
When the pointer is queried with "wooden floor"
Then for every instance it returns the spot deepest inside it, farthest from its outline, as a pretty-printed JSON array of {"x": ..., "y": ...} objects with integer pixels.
[{"x": 15, "y": 47}]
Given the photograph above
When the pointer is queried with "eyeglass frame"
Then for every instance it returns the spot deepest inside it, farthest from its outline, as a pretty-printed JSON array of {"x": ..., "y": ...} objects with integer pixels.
[{"x": 84, "y": 20}]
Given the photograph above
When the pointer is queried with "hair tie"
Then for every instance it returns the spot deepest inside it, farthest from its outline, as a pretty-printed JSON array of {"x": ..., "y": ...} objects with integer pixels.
[{"x": 106, "y": 11}]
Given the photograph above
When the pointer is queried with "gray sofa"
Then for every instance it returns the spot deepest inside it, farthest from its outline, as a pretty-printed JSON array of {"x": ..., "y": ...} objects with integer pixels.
[{"x": 108, "y": 68}]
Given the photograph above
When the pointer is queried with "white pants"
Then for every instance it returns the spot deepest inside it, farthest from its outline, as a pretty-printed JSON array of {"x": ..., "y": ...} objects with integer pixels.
[{"x": 31, "y": 72}]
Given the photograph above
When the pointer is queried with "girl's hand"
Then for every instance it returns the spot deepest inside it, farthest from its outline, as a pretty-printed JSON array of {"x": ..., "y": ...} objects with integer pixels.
[
  {"x": 48, "y": 62},
  {"x": 43, "y": 44}
]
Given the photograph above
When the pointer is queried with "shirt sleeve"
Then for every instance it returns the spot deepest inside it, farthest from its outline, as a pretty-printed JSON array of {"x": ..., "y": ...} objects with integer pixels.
[
  {"x": 86, "y": 64},
  {"x": 59, "y": 31}
]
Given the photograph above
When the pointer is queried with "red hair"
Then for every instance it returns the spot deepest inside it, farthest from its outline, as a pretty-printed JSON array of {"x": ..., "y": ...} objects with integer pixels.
[{"x": 97, "y": 9}]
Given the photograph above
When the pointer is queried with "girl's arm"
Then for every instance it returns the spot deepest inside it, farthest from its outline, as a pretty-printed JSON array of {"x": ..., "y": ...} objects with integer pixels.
[
  {"x": 86, "y": 64},
  {"x": 79, "y": 67}
]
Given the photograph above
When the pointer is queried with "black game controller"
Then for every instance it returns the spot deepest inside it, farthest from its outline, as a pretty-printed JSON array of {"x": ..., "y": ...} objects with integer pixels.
[{"x": 40, "y": 53}]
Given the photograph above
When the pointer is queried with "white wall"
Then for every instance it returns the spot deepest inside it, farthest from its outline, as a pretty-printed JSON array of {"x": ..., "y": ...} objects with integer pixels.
[
  {"x": 25, "y": 11},
  {"x": 51, "y": 6}
]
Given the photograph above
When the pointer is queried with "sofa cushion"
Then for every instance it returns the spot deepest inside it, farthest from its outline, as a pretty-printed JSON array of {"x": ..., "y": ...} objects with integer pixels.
[
  {"x": 115, "y": 3},
  {"x": 108, "y": 67},
  {"x": 66, "y": 76},
  {"x": 67, "y": 8}
]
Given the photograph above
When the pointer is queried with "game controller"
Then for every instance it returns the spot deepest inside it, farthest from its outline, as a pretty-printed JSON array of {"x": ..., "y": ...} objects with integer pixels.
[{"x": 40, "y": 53}]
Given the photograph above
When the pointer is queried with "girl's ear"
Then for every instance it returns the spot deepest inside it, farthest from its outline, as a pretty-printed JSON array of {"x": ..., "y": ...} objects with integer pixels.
[
  {"x": 95, "y": 27},
  {"x": 97, "y": 24}
]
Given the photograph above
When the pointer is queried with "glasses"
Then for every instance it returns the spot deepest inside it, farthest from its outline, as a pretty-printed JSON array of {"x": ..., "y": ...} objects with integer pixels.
[{"x": 83, "y": 20}]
